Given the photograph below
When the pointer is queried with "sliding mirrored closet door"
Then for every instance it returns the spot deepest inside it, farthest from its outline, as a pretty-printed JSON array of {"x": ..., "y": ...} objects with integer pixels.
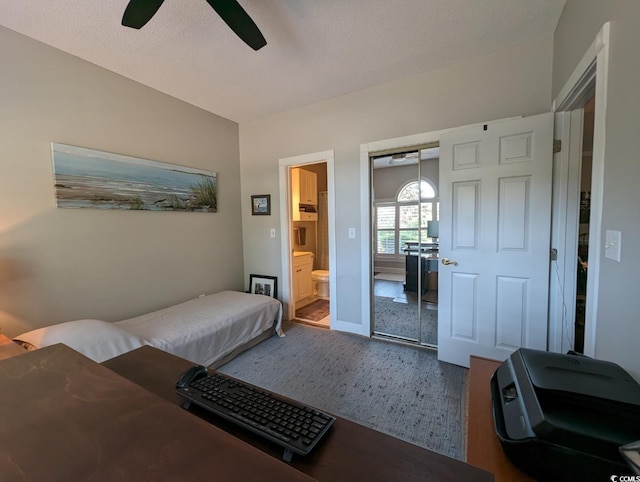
[{"x": 405, "y": 249}]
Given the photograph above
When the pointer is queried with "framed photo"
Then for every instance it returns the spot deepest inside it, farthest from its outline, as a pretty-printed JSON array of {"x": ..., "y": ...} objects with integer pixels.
[
  {"x": 263, "y": 285},
  {"x": 261, "y": 204}
]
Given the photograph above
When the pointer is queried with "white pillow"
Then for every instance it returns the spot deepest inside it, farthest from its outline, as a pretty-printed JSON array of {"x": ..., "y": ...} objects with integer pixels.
[{"x": 96, "y": 339}]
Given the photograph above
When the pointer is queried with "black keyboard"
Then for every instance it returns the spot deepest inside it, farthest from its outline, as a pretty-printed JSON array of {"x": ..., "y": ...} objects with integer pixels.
[{"x": 295, "y": 426}]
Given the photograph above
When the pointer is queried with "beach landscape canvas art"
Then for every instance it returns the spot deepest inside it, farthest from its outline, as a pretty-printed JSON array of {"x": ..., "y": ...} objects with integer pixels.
[{"x": 87, "y": 178}]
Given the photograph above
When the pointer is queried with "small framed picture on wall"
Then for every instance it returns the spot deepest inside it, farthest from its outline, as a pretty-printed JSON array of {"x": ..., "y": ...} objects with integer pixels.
[{"x": 261, "y": 204}]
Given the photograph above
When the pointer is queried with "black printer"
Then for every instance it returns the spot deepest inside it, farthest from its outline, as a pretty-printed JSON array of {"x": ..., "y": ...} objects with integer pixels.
[{"x": 564, "y": 417}]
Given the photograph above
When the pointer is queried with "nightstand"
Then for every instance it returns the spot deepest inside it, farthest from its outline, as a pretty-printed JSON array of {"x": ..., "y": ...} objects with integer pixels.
[{"x": 8, "y": 348}]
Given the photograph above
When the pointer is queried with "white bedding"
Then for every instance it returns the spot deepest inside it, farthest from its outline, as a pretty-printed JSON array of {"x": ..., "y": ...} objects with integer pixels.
[
  {"x": 203, "y": 330},
  {"x": 207, "y": 328},
  {"x": 96, "y": 339}
]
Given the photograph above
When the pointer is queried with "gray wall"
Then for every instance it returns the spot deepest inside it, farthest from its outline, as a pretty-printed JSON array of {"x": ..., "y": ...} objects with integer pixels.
[
  {"x": 388, "y": 181},
  {"x": 512, "y": 81},
  {"x": 63, "y": 264},
  {"x": 618, "y": 318}
]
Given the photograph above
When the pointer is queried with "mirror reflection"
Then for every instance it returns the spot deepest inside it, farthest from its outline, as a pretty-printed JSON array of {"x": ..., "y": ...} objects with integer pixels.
[{"x": 405, "y": 245}]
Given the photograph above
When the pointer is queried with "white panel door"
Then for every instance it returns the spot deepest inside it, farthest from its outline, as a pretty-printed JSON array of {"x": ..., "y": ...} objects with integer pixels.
[{"x": 495, "y": 220}]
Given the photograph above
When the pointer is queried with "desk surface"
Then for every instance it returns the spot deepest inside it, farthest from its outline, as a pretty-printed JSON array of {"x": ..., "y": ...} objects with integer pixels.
[
  {"x": 483, "y": 447},
  {"x": 349, "y": 452},
  {"x": 65, "y": 417}
]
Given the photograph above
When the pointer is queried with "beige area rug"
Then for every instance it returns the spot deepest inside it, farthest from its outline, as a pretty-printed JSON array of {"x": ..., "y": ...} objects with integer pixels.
[
  {"x": 315, "y": 311},
  {"x": 390, "y": 277}
]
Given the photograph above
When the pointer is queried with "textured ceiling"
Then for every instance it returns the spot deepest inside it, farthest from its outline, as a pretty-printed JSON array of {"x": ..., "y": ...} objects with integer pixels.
[{"x": 316, "y": 49}]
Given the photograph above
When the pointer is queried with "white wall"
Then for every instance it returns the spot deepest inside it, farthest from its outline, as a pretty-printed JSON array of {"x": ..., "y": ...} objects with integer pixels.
[
  {"x": 63, "y": 264},
  {"x": 618, "y": 317},
  {"x": 512, "y": 81}
]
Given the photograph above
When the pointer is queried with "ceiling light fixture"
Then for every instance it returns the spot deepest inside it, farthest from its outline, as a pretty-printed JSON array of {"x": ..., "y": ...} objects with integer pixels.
[{"x": 397, "y": 159}]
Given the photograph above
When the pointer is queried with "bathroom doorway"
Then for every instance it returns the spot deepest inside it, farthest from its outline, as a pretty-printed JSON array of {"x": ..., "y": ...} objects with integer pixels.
[
  {"x": 310, "y": 242},
  {"x": 307, "y": 212}
]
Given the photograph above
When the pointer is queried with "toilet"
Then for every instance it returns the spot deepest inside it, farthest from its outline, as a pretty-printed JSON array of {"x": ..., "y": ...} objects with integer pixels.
[{"x": 321, "y": 282}]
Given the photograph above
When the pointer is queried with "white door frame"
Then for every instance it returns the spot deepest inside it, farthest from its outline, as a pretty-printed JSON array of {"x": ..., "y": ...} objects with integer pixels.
[
  {"x": 366, "y": 220},
  {"x": 582, "y": 83},
  {"x": 286, "y": 222},
  {"x": 564, "y": 230}
]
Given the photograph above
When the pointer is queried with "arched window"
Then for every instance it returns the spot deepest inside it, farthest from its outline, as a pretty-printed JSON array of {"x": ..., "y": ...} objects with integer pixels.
[
  {"x": 404, "y": 221},
  {"x": 410, "y": 191}
]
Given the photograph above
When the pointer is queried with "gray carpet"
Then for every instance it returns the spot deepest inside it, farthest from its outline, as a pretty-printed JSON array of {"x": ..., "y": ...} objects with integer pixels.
[
  {"x": 396, "y": 389},
  {"x": 401, "y": 319}
]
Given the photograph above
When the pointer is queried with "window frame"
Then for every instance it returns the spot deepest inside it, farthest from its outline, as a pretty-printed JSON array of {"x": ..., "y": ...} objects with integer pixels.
[{"x": 435, "y": 210}]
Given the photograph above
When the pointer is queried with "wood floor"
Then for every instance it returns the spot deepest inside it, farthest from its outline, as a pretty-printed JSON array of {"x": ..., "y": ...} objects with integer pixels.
[
  {"x": 395, "y": 290},
  {"x": 388, "y": 289}
]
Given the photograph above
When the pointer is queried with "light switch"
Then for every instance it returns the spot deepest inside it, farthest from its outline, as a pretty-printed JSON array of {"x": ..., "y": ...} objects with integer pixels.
[
  {"x": 612, "y": 242},
  {"x": 273, "y": 232},
  {"x": 352, "y": 233}
]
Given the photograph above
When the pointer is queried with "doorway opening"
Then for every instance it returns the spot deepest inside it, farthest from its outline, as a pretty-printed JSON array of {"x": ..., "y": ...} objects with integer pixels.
[
  {"x": 307, "y": 211},
  {"x": 309, "y": 233},
  {"x": 405, "y": 208},
  {"x": 583, "y": 226},
  {"x": 580, "y": 109}
]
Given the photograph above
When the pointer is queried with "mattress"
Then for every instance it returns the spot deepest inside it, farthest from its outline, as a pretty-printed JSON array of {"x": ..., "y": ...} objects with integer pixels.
[{"x": 208, "y": 328}]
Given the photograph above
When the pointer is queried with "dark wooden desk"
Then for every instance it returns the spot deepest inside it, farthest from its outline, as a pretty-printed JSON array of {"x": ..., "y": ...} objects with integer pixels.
[
  {"x": 483, "y": 447},
  {"x": 64, "y": 417},
  {"x": 428, "y": 266},
  {"x": 349, "y": 452}
]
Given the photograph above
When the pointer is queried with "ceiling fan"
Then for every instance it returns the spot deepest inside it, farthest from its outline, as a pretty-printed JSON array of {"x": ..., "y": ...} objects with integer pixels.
[{"x": 139, "y": 12}]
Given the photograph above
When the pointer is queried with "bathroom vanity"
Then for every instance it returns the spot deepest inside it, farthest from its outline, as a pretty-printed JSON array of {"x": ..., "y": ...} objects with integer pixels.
[{"x": 302, "y": 280}]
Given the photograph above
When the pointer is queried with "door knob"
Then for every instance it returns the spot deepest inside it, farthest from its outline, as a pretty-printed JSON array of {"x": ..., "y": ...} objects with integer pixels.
[{"x": 447, "y": 261}]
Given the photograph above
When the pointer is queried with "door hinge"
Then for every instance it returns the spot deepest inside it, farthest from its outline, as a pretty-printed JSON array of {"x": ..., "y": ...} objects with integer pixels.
[
  {"x": 557, "y": 146},
  {"x": 553, "y": 254}
]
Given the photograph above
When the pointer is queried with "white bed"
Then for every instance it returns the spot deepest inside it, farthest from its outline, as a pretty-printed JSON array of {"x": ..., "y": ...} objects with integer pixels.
[{"x": 208, "y": 330}]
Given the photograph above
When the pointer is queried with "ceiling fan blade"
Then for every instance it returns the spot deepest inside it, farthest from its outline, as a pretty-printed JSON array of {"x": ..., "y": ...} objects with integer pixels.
[
  {"x": 139, "y": 12},
  {"x": 239, "y": 21}
]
